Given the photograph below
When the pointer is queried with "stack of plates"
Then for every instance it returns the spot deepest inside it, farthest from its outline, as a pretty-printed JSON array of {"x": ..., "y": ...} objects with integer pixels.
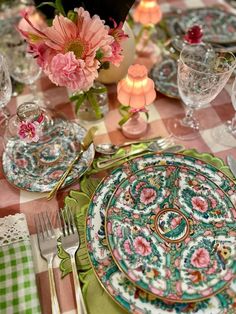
[{"x": 161, "y": 236}]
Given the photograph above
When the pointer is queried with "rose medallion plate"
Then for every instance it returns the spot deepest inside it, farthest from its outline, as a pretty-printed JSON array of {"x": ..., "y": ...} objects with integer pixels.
[
  {"x": 218, "y": 25},
  {"x": 116, "y": 284},
  {"x": 164, "y": 75},
  {"x": 164, "y": 229},
  {"x": 36, "y": 167}
]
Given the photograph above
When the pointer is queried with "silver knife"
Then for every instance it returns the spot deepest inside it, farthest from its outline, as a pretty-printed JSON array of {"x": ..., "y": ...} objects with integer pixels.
[{"x": 232, "y": 164}]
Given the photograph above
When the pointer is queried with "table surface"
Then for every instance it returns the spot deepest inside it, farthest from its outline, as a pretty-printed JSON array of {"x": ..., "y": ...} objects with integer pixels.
[{"x": 14, "y": 201}]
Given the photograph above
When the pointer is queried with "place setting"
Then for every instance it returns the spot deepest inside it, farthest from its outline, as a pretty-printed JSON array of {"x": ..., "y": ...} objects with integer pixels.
[
  {"x": 115, "y": 198},
  {"x": 140, "y": 228}
]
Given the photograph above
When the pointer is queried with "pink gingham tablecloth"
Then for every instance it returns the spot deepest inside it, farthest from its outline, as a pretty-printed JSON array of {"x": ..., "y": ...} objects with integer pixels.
[{"x": 14, "y": 201}]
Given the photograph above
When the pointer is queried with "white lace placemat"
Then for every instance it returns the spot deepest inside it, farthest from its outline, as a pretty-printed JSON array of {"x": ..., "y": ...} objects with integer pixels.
[{"x": 13, "y": 228}]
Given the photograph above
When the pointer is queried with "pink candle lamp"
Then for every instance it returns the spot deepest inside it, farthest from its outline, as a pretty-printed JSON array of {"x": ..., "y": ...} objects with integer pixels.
[
  {"x": 147, "y": 12},
  {"x": 137, "y": 91}
]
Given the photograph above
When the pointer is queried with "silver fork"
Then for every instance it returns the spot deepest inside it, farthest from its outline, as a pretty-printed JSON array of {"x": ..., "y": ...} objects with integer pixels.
[
  {"x": 48, "y": 248},
  {"x": 70, "y": 242},
  {"x": 153, "y": 147}
]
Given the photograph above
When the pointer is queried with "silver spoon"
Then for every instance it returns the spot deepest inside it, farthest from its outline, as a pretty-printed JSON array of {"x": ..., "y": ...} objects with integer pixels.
[
  {"x": 154, "y": 147},
  {"x": 110, "y": 149}
]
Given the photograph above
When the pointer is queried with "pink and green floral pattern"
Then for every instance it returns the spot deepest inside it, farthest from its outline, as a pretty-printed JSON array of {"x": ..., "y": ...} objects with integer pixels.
[
  {"x": 36, "y": 167},
  {"x": 112, "y": 279},
  {"x": 193, "y": 216}
]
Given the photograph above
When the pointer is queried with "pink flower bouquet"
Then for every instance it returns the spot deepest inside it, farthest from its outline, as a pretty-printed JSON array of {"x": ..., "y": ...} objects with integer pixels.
[{"x": 74, "y": 48}]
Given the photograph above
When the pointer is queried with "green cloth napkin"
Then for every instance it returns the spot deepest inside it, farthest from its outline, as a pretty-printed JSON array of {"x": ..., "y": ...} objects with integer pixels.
[{"x": 18, "y": 292}]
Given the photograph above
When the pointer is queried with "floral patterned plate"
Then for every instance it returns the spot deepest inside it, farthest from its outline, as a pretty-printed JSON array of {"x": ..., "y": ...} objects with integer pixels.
[
  {"x": 115, "y": 283},
  {"x": 36, "y": 167},
  {"x": 218, "y": 25},
  {"x": 169, "y": 230},
  {"x": 164, "y": 75}
]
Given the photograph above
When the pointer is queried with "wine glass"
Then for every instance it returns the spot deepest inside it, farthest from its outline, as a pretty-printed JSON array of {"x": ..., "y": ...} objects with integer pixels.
[
  {"x": 202, "y": 74},
  {"x": 225, "y": 134},
  {"x": 231, "y": 125},
  {"x": 5, "y": 91},
  {"x": 25, "y": 69}
]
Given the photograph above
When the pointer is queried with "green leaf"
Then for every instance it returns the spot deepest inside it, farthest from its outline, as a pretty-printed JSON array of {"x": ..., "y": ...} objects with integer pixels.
[
  {"x": 51, "y": 4},
  {"x": 147, "y": 115},
  {"x": 59, "y": 7},
  {"x": 82, "y": 258},
  {"x": 72, "y": 15},
  {"x": 93, "y": 102},
  {"x": 81, "y": 198},
  {"x": 99, "y": 90},
  {"x": 123, "y": 110},
  {"x": 99, "y": 54},
  {"x": 71, "y": 203},
  {"x": 124, "y": 119},
  {"x": 74, "y": 97},
  {"x": 79, "y": 98},
  {"x": 105, "y": 65},
  {"x": 88, "y": 185}
]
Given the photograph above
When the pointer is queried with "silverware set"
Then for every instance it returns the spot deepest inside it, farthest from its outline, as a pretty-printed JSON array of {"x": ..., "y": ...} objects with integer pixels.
[
  {"x": 70, "y": 242},
  {"x": 160, "y": 145}
]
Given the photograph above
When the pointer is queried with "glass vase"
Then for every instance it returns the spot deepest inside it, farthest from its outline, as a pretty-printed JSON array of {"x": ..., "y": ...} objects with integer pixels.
[{"x": 94, "y": 105}]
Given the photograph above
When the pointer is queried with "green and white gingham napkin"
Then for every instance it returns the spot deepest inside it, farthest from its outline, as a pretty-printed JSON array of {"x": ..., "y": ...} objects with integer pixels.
[{"x": 18, "y": 292}]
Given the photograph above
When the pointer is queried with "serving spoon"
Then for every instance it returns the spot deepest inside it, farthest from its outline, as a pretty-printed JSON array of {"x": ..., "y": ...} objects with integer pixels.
[{"x": 110, "y": 149}]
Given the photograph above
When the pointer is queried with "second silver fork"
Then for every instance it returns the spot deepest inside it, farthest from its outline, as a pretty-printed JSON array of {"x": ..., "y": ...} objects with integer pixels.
[
  {"x": 70, "y": 243},
  {"x": 48, "y": 248}
]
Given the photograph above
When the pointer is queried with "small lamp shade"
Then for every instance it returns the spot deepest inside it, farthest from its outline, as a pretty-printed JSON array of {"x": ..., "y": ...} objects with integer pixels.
[
  {"x": 147, "y": 12},
  {"x": 136, "y": 89}
]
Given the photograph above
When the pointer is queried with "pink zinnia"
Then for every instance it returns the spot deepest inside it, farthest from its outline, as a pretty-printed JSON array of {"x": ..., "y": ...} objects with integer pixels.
[{"x": 142, "y": 246}]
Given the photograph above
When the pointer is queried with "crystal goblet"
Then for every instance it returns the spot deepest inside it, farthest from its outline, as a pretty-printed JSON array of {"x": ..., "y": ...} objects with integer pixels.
[
  {"x": 5, "y": 90},
  {"x": 202, "y": 74},
  {"x": 231, "y": 125},
  {"x": 25, "y": 68},
  {"x": 225, "y": 134}
]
